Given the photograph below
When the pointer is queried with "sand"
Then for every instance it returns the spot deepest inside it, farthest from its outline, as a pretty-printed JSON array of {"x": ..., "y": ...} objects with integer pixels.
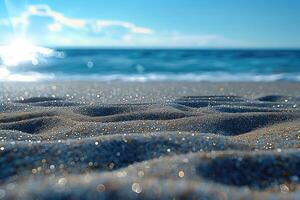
[{"x": 167, "y": 140}]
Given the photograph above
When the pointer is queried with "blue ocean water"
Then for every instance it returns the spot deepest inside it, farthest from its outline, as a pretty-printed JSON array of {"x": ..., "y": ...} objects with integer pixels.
[{"x": 177, "y": 65}]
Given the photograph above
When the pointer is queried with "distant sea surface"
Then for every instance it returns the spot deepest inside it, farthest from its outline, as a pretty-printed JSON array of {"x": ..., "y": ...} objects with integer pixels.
[{"x": 160, "y": 65}]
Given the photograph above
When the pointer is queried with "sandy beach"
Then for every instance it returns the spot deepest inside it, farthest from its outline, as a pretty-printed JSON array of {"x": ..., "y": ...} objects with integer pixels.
[{"x": 168, "y": 140}]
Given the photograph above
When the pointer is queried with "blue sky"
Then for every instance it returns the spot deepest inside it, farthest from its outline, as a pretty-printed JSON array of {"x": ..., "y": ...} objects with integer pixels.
[{"x": 153, "y": 23}]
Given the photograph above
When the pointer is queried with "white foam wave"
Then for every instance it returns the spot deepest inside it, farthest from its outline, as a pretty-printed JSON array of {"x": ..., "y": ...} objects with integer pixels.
[
  {"x": 6, "y": 75},
  {"x": 209, "y": 77}
]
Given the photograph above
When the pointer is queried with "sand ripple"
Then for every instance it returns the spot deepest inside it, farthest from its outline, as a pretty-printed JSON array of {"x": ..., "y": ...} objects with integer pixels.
[{"x": 202, "y": 147}]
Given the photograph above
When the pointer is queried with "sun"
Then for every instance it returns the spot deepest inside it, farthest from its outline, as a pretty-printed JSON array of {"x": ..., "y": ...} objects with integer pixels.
[{"x": 21, "y": 50}]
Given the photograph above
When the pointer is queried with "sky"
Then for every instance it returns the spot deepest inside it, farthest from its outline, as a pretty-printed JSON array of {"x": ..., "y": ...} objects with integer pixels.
[{"x": 153, "y": 23}]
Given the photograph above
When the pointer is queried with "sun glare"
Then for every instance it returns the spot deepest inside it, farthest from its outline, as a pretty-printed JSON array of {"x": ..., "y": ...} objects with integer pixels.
[{"x": 22, "y": 50}]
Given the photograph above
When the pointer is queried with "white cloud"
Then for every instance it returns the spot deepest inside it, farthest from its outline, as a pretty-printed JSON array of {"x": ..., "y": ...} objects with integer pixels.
[
  {"x": 60, "y": 21},
  {"x": 58, "y": 18},
  {"x": 101, "y": 24},
  {"x": 171, "y": 39},
  {"x": 138, "y": 40},
  {"x": 63, "y": 30}
]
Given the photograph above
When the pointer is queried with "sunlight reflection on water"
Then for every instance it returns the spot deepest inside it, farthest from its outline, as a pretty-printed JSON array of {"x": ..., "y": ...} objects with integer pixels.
[{"x": 20, "y": 51}]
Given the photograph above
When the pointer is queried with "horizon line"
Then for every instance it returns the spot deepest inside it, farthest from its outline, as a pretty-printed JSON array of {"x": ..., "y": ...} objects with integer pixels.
[{"x": 169, "y": 48}]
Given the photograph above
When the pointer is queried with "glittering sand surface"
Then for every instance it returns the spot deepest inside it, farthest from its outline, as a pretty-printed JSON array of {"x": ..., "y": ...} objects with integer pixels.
[{"x": 91, "y": 140}]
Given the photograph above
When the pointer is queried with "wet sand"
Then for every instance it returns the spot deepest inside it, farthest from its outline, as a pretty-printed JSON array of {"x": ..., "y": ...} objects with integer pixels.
[{"x": 117, "y": 140}]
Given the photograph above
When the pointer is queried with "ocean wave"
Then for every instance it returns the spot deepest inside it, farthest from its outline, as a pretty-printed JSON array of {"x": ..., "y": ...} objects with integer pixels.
[
  {"x": 31, "y": 76},
  {"x": 193, "y": 77},
  {"x": 35, "y": 63},
  {"x": 212, "y": 77}
]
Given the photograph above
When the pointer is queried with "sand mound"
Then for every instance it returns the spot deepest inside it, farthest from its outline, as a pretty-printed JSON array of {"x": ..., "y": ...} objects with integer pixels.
[{"x": 192, "y": 146}]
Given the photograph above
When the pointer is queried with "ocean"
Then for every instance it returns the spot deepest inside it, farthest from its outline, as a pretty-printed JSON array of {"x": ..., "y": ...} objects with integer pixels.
[{"x": 159, "y": 65}]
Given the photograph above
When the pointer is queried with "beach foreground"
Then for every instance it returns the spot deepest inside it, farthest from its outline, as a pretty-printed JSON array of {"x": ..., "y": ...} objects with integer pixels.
[{"x": 125, "y": 140}]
